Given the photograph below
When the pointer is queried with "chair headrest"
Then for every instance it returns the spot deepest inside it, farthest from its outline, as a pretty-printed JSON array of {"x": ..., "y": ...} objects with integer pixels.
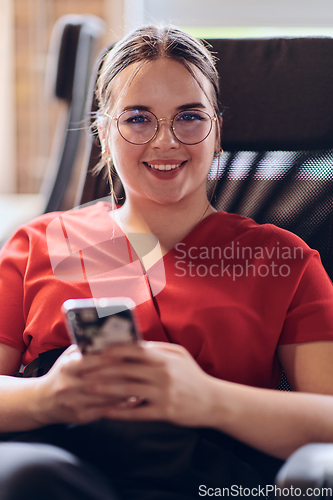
[{"x": 277, "y": 93}]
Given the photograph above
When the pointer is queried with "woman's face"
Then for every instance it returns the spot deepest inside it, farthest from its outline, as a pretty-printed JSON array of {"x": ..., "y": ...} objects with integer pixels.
[{"x": 164, "y": 87}]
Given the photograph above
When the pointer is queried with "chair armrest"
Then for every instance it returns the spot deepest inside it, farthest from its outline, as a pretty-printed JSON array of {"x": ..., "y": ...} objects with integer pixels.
[{"x": 311, "y": 466}]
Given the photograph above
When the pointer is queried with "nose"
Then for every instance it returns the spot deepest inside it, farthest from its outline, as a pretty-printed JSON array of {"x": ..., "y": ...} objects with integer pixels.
[{"x": 165, "y": 138}]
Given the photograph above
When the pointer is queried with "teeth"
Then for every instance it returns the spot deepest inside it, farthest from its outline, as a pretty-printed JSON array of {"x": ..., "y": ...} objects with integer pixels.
[{"x": 163, "y": 167}]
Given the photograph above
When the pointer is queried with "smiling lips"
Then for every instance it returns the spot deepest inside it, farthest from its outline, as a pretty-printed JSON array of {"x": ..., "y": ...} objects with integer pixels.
[{"x": 162, "y": 166}]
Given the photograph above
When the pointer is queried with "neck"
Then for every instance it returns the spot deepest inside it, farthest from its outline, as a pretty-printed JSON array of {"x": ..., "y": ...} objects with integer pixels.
[{"x": 169, "y": 223}]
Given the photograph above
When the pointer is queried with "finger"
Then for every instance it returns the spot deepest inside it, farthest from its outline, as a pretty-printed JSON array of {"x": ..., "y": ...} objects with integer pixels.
[
  {"x": 75, "y": 406},
  {"x": 139, "y": 349},
  {"x": 131, "y": 402},
  {"x": 89, "y": 414},
  {"x": 123, "y": 390},
  {"x": 77, "y": 363},
  {"x": 144, "y": 374},
  {"x": 143, "y": 351},
  {"x": 151, "y": 344},
  {"x": 141, "y": 412},
  {"x": 126, "y": 352}
]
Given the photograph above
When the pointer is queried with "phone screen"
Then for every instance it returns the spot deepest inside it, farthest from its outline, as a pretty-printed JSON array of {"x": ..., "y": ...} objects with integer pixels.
[{"x": 95, "y": 328}]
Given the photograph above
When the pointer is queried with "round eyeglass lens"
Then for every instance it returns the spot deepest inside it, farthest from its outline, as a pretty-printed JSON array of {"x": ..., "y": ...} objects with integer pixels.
[
  {"x": 192, "y": 127},
  {"x": 140, "y": 127},
  {"x": 137, "y": 127}
]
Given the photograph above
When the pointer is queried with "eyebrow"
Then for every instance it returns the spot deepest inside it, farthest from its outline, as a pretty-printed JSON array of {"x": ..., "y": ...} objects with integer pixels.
[
  {"x": 190, "y": 105},
  {"x": 139, "y": 107}
]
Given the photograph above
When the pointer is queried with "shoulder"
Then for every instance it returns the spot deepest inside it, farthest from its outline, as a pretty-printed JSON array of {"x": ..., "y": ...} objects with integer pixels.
[
  {"x": 40, "y": 224},
  {"x": 237, "y": 227},
  {"x": 35, "y": 233}
]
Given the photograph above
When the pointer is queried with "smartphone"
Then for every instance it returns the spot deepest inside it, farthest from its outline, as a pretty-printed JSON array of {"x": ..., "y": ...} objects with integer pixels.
[{"x": 95, "y": 324}]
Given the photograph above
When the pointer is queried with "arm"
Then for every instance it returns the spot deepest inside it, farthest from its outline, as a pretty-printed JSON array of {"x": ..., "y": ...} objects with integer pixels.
[
  {"x": 79, "y": 389},
  {"x": 17, "y": 395},
  {"x": 60, "y": 396},
  {"x": 280, "y": 422},
  {"x": 177, "y": 390}
]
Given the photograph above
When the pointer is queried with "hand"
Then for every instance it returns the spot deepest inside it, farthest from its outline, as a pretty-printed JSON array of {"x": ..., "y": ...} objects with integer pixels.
[
  {"x": 168, "y": 383},
  {"x": 64, "y": 395}
]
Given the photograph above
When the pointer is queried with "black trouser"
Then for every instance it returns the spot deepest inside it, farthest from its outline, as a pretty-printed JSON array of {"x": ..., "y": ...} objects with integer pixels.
[
  {"x": 35, "y": 471},
  {"x": 139, "y": 460}
]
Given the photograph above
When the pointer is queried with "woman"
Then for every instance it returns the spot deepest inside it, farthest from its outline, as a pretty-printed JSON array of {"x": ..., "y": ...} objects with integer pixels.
[{"x": 194, "y": 407}]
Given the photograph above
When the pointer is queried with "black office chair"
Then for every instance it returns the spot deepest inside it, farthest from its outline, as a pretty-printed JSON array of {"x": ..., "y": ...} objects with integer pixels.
[
  {"x": 277, "y": 164},
  {"x": 73, "y": 49},
  {"x": 71, "y": 58},
  {"x": 277, "y": 137}
]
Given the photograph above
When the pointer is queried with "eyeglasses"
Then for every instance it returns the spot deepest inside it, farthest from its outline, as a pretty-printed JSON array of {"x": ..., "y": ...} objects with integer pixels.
[{"x": 139, "y": 127}]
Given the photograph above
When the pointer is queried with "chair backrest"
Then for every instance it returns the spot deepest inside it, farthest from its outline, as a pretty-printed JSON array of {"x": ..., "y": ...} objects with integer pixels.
[
  {"x": 277, "y": 136},
  {"x": 71, "y": 57}
]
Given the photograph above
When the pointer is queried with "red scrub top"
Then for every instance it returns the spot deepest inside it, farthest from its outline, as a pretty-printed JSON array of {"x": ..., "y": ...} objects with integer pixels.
[{"x": 229, "y": 292}]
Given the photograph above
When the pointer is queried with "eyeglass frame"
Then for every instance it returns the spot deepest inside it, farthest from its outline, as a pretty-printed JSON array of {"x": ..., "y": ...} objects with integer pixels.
[{"x": 212, "y": 119}]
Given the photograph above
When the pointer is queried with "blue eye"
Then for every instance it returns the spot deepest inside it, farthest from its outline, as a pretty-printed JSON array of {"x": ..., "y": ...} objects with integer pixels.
[
  {"x": 190, "y": 116},
  {"x": 137, "y": 119}
]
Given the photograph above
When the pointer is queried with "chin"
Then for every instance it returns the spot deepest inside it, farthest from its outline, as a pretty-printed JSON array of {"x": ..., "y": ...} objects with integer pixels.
[{"x": 167, "y": 199}]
